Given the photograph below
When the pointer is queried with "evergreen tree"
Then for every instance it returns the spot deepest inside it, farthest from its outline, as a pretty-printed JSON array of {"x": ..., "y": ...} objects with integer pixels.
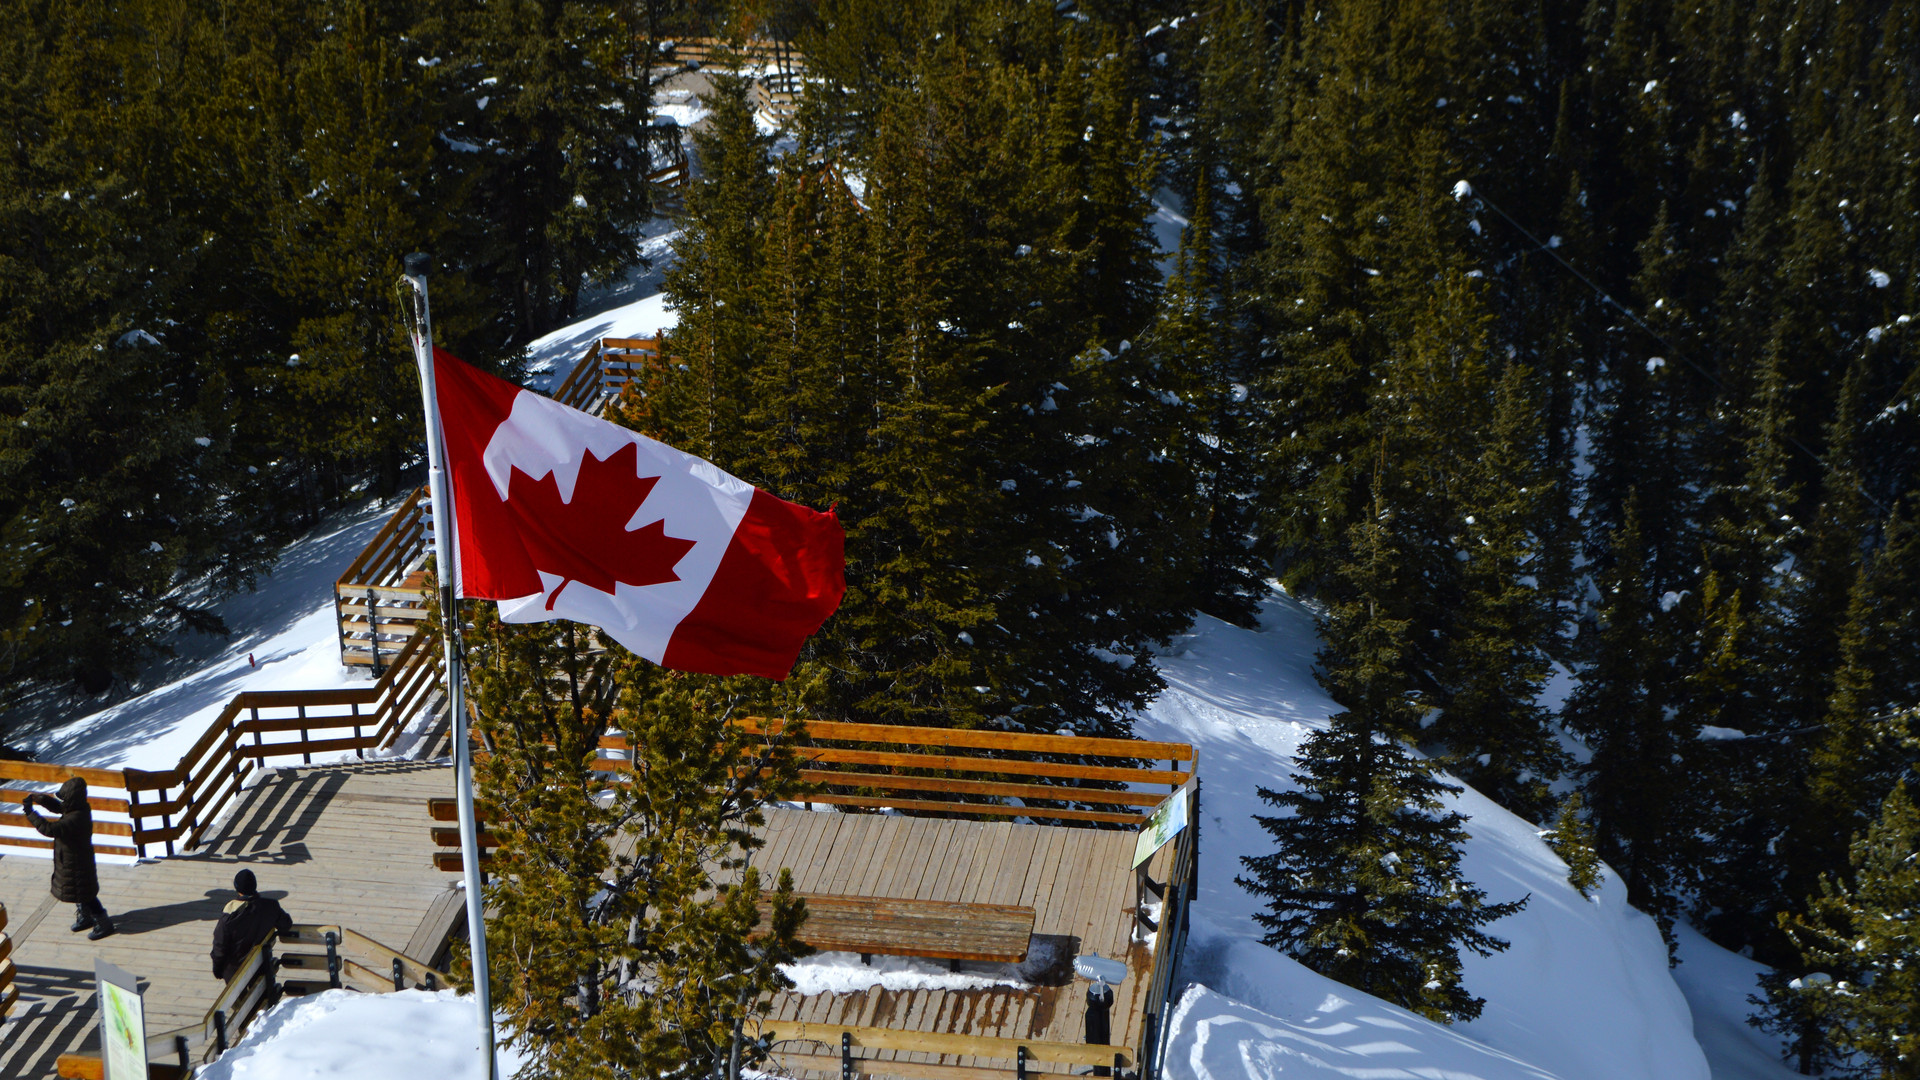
[
  {"x": 1636, "y": 781},
  {"x": 544, "y": 98},
  {"x": 1571, "y": 838},
  {"x": 1365, "y": 884},
  {"x": 626, "y": 929},
  {"x": 1496, "y": 732},
  {"x": 1865, "y": 934}
]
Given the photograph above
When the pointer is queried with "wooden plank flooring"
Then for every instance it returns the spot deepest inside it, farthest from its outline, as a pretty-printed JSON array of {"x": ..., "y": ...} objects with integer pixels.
[
  {"x": 1078, "y": 882},
  {"x": 340, "y": 844}
]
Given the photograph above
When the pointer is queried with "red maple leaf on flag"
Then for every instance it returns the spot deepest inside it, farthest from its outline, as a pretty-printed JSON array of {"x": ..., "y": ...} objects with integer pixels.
[{"x": 587, "y": 539}]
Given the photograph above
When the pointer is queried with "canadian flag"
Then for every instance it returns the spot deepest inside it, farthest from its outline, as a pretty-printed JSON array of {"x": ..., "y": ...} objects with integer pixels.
[{"x": 562, "y": 515}]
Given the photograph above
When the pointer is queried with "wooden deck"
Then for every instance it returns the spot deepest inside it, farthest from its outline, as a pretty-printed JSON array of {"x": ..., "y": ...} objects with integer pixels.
[
  {"x": 1077, "y": 881},
  {"x": 339, "y": 844}
]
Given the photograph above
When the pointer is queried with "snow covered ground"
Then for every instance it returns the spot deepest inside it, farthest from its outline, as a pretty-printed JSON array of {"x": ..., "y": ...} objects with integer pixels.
[
  {"x": 286, "y": 625},
  {"x": 550, "y": 358},
  {"x": 408, "y": 1035},
  {"x": 1584, "y": 993}
]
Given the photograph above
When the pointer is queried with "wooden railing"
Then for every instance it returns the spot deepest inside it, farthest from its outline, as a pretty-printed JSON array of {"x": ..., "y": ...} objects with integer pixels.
[
  {"x": 779, "y": 55},
  {"x": 975, "y": 772},
  {"x": 938, "y": 771},
  {"x": 347, "y": 959},
  {"x": 610, "y": 364},
  {"x": 174, "y": 807},
  {"x": 9, "y": 993},
  {"x": 379, "y": 601}
]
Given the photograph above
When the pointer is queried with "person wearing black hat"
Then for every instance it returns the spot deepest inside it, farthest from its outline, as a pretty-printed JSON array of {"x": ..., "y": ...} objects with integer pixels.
[
  {"x": 246, "y": 921},
  {"x": 74, "y": 879}
]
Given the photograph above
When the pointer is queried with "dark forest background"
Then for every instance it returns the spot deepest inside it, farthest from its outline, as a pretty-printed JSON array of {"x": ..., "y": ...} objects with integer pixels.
[{"x": 1541, "y": 345}]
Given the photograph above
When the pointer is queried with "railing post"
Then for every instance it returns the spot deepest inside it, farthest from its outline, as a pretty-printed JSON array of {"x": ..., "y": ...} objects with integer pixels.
[
  {"x": 133, "y": 814},
  {"x": 373, "y": 629},
  {"x": 333, "y": 960}
]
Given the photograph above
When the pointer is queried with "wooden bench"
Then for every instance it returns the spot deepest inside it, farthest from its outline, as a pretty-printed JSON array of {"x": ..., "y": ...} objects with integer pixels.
[{"x": 929, "y": 928}]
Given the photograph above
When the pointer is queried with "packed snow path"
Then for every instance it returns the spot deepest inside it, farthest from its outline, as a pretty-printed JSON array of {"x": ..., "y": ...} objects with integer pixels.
[{"x": 346, "y": 845}]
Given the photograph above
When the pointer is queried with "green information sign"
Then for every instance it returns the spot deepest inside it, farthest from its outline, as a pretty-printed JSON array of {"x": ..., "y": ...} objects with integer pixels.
[
  {"x": 1165, "y": 824},
  {"x": 123, "y": 1023}
]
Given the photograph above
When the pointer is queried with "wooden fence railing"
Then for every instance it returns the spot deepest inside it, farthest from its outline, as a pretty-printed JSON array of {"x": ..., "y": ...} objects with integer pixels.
[
  {"x": 174, "y": 807},
  {"x": 988, "y": 773},
  {"x": 379, "y": 601},
  {"x": 9, "y": 993},
  {"x": 940, "y": 771},
  {"x": 346, "y": 960}
]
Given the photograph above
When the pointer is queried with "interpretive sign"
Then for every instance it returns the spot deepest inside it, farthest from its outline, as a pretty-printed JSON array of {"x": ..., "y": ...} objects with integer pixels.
[
  {"x": 123, "y": 1023},
  {"x": 1165, "y": 824}
]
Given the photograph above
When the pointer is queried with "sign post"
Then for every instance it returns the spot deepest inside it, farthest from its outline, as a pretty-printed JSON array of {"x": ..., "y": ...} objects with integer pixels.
[{"x": 123, "y": 1023}]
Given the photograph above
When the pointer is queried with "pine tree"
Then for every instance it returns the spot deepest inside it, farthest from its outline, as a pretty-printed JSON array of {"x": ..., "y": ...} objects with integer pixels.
[
  {"x": 543, "y": 99},
  {"x": 1496, "y": 733},
  {"x": 1865, "y": 934},
  {"x": 1365, "y": 886},
  {"x": 1571, "y": 838},
  {"x": 1636, "y": 781},
  {"x": 625, "y": 931}
]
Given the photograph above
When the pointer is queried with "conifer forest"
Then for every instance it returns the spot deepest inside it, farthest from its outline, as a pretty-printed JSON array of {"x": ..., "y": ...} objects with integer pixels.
[{"x": 1560, "y": 355}]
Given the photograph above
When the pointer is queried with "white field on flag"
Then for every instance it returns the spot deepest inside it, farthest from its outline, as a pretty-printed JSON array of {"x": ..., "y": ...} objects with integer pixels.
[{"x": 693, "y": 499}]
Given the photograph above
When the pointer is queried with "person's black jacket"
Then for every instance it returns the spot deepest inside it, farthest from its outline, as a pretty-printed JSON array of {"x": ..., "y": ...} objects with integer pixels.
[
  {"x": 244, "y": 923},
  {"x": 74, "y": 878}
]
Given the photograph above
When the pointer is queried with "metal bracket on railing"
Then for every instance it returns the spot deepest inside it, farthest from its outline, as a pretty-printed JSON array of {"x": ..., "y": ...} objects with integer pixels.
[
  {"x": 219, "y": 1031},
  {"x": 846, "y": 1055},
  {"x": 399, "y": 975},
  {"x": 1020, "y": 1063},
  {"x": 180, "y": 1047},
  {"x": 333, "y": 960}
]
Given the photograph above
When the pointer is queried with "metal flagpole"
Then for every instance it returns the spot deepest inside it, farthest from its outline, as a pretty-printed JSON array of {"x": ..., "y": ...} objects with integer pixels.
[{"x": 416, "y": 277}]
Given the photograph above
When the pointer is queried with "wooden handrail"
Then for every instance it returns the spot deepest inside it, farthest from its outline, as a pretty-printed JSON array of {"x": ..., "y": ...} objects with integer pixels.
[{"x": 819, "y": 730}]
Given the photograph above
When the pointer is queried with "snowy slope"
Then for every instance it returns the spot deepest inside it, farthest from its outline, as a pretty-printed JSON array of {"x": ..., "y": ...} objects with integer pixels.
[
  {"x": 550, "y": 358},
  {"x": 1583, "y": 994},
  {"x": 286, "y": 625}
]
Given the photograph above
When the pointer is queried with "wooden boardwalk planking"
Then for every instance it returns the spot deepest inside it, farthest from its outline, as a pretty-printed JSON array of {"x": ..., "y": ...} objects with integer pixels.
[
  {"x": 340, "y": 844},
  {"x": 1078, "y": 882}
]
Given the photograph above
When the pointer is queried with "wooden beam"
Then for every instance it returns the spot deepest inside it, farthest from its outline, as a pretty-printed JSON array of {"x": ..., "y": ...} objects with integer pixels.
[
  {"x": 43, "y": 773},
  {"x": 909, "y": 1070},
  {"x": 989, "y": 809},
  {"x": 986, "y": 740},
  {"x": 450, "y": 838},
  {"x": 1050, "y": 792},
  {"x": 928, "y": 1042},
  {"x": 91, "y": 1067},
  {"x": 936, "y": 929}
]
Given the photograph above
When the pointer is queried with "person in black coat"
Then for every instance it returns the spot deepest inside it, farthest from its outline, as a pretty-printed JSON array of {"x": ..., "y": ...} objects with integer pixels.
[
  {"x": 246, "y": 921},
  {"x": 74, "y": 878}
]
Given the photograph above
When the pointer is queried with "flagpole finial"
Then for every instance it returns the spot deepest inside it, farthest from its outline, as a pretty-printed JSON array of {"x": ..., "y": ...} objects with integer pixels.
[{"x": 417, "y": 264}]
